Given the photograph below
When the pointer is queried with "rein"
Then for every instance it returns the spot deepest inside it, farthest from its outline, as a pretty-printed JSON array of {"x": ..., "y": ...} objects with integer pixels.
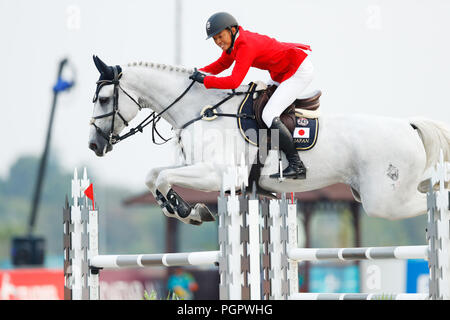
[
  {"x": 210, "y": 112},
  {"x": 153, "y": 118}
]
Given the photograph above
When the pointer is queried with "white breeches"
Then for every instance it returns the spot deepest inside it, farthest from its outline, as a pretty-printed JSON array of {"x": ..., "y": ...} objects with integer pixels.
[{"x": 288, "y": 91}]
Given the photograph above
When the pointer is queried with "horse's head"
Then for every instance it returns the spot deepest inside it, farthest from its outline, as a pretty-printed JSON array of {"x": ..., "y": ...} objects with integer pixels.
[{"x": 113, "y": 109}]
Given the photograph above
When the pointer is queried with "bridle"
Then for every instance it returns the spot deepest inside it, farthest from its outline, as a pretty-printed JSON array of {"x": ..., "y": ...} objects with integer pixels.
[
  {"x": 153, "y": 118},
  {"x": 110, "y": 137}
]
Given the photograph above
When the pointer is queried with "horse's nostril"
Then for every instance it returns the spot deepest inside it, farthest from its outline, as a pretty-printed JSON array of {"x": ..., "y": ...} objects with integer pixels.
[{"x": 93, "y": 146}]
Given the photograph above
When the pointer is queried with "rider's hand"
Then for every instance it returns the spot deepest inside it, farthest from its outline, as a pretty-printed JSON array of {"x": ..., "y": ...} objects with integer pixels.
[{"x": 197, "y": 76}]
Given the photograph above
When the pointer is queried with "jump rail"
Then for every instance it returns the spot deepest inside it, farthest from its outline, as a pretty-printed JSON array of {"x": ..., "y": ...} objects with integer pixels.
[
  {"x": 246, "y": 225},
  {"x": 360, "y": 296},
  {"x": 374, "y": 253}
]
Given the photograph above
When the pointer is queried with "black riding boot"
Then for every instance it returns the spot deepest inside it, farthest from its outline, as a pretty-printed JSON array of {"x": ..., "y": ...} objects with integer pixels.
[{"x": 295, "y": 169}]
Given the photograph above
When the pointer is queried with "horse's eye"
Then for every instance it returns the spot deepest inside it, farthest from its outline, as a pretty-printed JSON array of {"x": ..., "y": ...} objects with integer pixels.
[{"x": 103, "y": 100}]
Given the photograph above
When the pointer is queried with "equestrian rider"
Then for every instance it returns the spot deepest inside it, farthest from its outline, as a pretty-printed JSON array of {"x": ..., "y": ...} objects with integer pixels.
[{"x": 287, "y": 63}]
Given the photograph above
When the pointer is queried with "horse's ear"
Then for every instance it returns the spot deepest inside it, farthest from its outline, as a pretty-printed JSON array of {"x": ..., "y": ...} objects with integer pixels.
[{"x": 101, "y": 66}]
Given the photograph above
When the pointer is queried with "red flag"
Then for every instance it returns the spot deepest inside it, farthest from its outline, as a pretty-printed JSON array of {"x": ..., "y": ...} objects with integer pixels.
[{"x": 89, "y": 192}]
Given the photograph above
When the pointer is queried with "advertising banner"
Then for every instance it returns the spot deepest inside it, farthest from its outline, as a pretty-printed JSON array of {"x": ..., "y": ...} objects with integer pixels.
[{"x": 31, "y": 284}]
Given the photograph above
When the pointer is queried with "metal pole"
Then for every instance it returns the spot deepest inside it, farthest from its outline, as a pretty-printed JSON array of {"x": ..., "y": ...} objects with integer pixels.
[
  {"x": 172, "y": 224},
  {"x": 42, "y": 165},
  {"x": 178, "y": 37}
]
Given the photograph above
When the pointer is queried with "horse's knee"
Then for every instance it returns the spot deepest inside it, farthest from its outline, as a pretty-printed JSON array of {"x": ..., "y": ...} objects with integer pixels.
[
  {"x": 150, "y": 179},
  {"x": 162, "y": 182}
]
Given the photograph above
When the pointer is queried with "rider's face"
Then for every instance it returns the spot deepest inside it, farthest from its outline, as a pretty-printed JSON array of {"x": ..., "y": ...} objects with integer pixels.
[{"x": 223, "y": 39}]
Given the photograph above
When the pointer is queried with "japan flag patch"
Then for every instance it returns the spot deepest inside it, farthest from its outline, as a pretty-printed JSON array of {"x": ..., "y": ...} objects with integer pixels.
[{"x": 301, "y": 132}]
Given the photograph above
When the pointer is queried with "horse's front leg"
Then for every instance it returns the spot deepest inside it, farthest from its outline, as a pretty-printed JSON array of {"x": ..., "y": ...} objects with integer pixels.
[
  {"x": 200, "y": 176},
  {"x": 150, "y": 181}
]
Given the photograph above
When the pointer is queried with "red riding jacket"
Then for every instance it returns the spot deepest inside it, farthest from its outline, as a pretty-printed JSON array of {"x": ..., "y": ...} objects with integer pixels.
[{"x": 251, "y": 49}]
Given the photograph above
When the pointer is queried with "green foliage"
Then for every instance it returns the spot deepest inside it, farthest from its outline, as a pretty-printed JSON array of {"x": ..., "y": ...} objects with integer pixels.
[
  {"x": 7, "y": 231},
  {"x": 22, "y": 176},
  {"x": 383, "y": 232},
  {"x": 334, "y": 228},
  {"x": 154, "y": 296},
  {"x": 198, "y": 241}
]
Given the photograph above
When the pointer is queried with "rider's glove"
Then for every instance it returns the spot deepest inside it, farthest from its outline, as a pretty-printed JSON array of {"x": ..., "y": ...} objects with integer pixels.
[{"x": 197, "y": 76}]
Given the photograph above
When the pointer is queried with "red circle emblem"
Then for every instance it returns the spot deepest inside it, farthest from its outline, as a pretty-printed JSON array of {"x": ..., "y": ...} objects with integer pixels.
[{"x": 301, "y": 132}]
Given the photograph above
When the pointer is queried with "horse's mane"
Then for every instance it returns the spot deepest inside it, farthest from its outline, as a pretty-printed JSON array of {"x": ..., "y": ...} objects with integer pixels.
[
  {"x": 168, "y": 67},
  {"x": 161, "y": 66}
]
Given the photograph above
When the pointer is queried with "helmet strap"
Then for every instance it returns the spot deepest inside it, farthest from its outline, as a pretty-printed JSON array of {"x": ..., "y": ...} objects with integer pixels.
[{"x": 233, "y": 37}]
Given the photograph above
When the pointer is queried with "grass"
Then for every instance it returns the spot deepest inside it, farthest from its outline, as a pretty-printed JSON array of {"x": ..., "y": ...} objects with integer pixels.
[{"x": 154, "y": 296}]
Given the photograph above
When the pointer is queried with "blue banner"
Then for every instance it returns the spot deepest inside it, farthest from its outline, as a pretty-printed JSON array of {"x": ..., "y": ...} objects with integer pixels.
[
  {"x": 417, "y": 275},
  {"x": 334, "y": 279}
]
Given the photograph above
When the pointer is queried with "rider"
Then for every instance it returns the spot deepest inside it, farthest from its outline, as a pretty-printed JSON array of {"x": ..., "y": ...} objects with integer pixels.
[{"x": 287, "y": 63}]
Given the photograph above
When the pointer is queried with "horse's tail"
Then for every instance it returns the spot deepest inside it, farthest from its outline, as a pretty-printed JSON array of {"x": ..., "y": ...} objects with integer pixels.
[{"x": 435, "y": 136}]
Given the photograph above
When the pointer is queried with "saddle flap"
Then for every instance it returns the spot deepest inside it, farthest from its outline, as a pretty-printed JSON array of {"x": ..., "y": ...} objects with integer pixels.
[{"x": 260, "y": 102}]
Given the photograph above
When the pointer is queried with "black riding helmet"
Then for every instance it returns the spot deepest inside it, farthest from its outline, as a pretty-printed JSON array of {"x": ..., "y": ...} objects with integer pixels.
[{"x": 218, "y": 22}]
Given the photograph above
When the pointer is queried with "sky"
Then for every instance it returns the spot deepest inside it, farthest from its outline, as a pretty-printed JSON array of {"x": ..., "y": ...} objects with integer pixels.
[{"x": 378, "y": 57}]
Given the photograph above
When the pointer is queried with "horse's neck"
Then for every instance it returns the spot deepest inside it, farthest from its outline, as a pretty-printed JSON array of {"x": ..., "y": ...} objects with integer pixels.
[{"x": 158, "y": 88}]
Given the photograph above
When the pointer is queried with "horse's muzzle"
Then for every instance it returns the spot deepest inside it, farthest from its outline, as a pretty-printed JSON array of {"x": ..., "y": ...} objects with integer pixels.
[{"x": 99, "y": 151}]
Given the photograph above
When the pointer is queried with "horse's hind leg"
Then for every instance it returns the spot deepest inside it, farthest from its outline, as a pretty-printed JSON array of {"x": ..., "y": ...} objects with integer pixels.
[
  {"x": 397, "y": 205},
  {"x": 415, "y": 206}
]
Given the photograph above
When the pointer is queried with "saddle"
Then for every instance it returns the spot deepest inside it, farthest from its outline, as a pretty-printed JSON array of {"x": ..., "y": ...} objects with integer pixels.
[
  {"x": 310, "y": 102},
  {"x": 301, "y": 118}
]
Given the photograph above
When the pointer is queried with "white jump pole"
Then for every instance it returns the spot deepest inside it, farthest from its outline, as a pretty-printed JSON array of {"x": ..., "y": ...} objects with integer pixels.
[
  {"x": 345, "y": 254},
  {"x": 438, "y": 232},
  {"x": 239, "y": 267},
  {"x": 359, "y": 296}
]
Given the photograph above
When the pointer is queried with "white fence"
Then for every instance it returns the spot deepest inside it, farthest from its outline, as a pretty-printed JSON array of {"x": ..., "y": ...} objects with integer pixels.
[{"x": 255, "y": 236}]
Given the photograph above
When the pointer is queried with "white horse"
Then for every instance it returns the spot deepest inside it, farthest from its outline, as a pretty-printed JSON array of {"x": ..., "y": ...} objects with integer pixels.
[{"x": 384, "y": 160}]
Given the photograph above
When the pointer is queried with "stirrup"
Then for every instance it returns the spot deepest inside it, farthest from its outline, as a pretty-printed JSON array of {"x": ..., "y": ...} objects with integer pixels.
[
  {"x": 298, "y": 175},
  {"x": 281, "y": 175}
]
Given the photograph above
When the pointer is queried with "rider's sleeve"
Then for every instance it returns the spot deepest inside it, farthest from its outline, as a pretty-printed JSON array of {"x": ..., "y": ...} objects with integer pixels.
[
  {"x": 223, "y": 63},
  {"x": 244, "y": 60},
  {"x": 301, "y": 46}
]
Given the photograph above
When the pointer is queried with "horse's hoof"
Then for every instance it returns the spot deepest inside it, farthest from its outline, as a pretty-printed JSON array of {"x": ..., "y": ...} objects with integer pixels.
[
  {"x": 238, "y": 192},
  {"x": 195, "y": 222},
  {"x": 204, "y": 212},
  {"x": 266, "y": 194}
]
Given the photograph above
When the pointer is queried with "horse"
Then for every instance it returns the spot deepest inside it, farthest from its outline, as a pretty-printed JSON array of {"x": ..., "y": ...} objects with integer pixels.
[{"x": 384, "y": 160}]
